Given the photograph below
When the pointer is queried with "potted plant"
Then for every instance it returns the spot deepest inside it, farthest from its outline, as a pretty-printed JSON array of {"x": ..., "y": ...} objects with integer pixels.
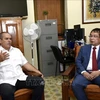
[{"x": 45, "y": 13}]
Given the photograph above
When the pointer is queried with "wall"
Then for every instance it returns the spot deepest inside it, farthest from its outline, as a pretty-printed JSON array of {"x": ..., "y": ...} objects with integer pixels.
[
  {"x": 74, "y": 16},
  {"x": 27, "y": 45}
]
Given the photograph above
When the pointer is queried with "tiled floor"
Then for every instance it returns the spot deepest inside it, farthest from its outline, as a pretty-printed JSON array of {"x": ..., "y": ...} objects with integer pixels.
[{"x": 53, "y": 89}]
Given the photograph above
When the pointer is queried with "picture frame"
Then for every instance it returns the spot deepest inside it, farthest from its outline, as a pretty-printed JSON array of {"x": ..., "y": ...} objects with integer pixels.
[{"x": 90, "y": 11}]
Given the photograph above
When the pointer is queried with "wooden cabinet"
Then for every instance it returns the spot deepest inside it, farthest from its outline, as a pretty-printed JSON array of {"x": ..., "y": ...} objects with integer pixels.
[
  {"x": 55, "y": 10},
  {"x": 13, "y": 25}
]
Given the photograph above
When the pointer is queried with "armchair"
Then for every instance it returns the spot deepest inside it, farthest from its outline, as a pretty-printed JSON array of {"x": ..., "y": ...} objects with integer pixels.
[
  {"x": 25, "y": 94},
  {"x": 92, "y": 91}
]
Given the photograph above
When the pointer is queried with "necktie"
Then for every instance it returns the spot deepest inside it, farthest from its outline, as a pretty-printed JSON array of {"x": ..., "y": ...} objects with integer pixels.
[{"x": 94, "y": 61}]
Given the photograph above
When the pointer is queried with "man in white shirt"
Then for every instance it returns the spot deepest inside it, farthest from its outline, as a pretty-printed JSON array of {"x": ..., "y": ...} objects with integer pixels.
[
  {"x": 12, "y": 76},
  {"x": 86, "y": 72}
]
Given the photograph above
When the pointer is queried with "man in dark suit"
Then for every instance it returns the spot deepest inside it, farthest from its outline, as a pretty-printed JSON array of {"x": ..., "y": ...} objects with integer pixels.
[{"x": 85, "y": 74}]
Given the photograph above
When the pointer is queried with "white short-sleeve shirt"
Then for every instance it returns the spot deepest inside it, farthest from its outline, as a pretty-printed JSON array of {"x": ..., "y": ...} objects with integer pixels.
[{"x": 10, "y": 69}]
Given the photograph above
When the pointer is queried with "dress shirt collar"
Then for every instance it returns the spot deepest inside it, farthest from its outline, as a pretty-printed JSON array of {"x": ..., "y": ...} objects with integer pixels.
[
  {"x": 3, "y": 49},
  {"x": 97, "y": 47}
]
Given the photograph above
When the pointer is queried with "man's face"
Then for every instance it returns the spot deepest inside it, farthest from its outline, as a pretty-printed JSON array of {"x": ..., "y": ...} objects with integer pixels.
[
  {"x": 6, "y": 41},
  {"x": 94, "y": 38}
]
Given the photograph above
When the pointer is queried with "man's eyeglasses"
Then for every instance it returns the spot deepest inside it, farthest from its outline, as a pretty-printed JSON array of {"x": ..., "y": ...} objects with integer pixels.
[{"x": 94, "y": 36}]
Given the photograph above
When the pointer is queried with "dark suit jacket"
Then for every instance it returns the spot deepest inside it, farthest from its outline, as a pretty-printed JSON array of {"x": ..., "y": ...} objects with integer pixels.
[{"x": 83, "y": 57}]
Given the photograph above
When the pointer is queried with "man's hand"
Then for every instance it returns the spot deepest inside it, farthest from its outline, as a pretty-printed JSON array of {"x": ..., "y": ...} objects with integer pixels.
[
  {"x": 92, "y": 75},
  {"x": 88, "y": 76},
  {"x": 40, "y": 74},
  {"x": 95, "y": 74},
  {"x": 3, "y": 56}
]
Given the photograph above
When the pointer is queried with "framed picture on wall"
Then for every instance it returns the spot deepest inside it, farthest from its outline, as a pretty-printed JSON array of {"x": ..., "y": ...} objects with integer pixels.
[{"x": 90, "y": 11}]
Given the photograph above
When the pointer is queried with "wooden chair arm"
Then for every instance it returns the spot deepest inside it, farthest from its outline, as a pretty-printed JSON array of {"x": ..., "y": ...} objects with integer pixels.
[
  {"x": 70, "y": 71},
  {"x": 31, "y": 73}
]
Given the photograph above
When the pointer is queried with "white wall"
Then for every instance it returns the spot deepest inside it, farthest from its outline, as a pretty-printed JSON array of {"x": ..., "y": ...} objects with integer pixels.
[
  {"x": 74, "y": 15},
  {"x": 27, "y": 46}
]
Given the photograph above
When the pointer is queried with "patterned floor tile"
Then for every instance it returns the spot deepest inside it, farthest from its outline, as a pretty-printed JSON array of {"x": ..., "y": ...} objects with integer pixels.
[{"x": 53, "y": 88}]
